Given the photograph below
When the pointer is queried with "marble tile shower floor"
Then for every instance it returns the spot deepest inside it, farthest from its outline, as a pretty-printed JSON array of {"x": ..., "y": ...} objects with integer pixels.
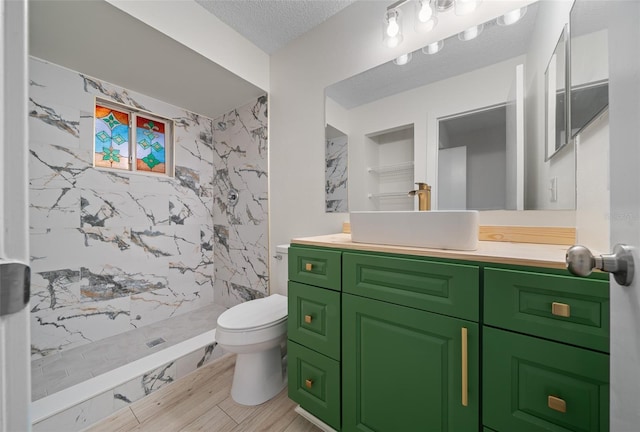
[{"x": 58, "y": 371}]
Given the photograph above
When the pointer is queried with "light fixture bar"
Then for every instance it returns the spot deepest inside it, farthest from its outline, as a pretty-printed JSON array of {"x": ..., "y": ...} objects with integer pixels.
[{"x": 397, "y": 4}]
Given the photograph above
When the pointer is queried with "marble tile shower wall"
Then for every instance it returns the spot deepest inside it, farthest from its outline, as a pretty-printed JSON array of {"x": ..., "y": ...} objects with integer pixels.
[
  {"x": 112, "y": 251},
  {"x": 241, "y": 230},
  {"x": 336, "y": 160}
]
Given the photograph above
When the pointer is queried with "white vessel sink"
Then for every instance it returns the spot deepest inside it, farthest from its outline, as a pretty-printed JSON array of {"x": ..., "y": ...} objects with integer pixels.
[{"x": 446, "y": 229}]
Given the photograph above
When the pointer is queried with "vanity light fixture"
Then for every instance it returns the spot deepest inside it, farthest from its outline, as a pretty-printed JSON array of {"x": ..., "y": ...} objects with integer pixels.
[
  {"x": 392, "y": 28},
  {"x": 471, "y": 33},
  {"x": 465, "y": 7},
  {"x": 443, "y": 5},
  {"x": 512, "y": 17},
  {"x": 433, "y": 48},
  {"x": 403, "y": 59},
  {"x": 426, "y": 15}
]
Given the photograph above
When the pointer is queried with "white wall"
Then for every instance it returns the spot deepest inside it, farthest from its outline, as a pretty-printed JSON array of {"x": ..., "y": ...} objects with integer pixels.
[
  {"x": 336, "y": 116},
  {"x": 562, "y": 166}
]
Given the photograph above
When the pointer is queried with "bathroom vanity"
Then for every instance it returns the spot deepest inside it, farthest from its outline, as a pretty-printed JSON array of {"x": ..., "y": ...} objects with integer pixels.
[{"x": 395, "y": 338}]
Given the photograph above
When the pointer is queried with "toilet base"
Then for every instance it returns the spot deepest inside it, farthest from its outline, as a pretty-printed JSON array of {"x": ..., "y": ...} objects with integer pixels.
[{"x": 258, "y": 376}]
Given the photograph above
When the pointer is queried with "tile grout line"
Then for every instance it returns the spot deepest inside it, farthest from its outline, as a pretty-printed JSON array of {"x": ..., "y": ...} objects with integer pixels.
[{"x": 134, "y": 414}]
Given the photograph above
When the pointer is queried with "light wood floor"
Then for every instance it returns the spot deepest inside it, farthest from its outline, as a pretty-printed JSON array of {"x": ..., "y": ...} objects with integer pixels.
[{"x": 201, "y": 401}]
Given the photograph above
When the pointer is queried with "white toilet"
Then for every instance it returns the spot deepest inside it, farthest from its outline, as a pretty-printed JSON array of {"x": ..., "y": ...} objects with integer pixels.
[{"x": 256, "y": 331}]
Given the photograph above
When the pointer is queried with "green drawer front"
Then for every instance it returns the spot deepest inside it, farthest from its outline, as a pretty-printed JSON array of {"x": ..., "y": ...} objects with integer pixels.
[
  {"x": 521, "y": 372},
  {"x": 449, "y": 289},
  {"x": 314, "y": 318},
  {"x": 523, "y": 301},
  {"x": 315, "y": 267},
  {"x": 322, "y": 398}
]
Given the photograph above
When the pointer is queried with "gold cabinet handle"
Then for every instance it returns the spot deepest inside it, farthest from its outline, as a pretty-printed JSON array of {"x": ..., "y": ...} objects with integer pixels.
[
  {"x": 465, "y": 369},
  {"x": 557, "y": 404},
  {"x": 561, "y": 309},
  {"x": 308, "y": 319},
  {"x": 308, "y": 383},
  {"x": 308, "y": 266}
]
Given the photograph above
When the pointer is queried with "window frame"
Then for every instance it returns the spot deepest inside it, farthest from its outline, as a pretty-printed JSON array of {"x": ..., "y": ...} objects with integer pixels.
[{"x": 169, "y": 135}]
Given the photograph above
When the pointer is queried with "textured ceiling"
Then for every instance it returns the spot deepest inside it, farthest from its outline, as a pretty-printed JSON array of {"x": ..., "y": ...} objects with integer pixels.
[{"x": 272, "y": 24}]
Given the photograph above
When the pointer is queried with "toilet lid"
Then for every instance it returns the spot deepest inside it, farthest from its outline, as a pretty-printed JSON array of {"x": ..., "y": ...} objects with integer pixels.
[{"x": 254, "y": 314}]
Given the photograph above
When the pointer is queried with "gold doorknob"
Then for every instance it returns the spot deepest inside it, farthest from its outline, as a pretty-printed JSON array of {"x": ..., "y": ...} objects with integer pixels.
[
  {"x": 308, "y": 383},
  {"x": 557, "y": 404},
  {"x": 308, "y": 266},
  {"x": 308, "y": 319}
]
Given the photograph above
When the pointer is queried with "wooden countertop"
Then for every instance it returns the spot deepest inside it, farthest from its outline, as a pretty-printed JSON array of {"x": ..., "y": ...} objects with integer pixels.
[{"x": 526, "y": 254}]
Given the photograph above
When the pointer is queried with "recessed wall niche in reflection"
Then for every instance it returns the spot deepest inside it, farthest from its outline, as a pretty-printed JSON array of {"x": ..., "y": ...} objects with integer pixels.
[{"x": 336, "y": 170}]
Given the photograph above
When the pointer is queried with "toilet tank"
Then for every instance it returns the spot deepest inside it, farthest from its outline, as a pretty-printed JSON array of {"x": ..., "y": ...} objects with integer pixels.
[{"x": 280, "y": 274}]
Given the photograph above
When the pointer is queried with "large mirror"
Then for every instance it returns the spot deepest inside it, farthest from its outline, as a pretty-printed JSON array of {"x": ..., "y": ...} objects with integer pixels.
[{"x": 465, "y": 116}]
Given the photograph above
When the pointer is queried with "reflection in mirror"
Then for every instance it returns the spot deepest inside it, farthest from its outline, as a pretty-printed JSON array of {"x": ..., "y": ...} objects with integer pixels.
[
  {"x": 389, "y": 173},
  {"x": 472, "y": 160},
  {"x": 556, "y": 98},
  {"x": 494, "y": 69},
  {"x": 589, "y": 62},
  {"x": 336, "y": 170}
]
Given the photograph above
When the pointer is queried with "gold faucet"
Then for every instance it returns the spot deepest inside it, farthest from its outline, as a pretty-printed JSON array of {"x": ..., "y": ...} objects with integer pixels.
[{"x": 424, "y": 196}]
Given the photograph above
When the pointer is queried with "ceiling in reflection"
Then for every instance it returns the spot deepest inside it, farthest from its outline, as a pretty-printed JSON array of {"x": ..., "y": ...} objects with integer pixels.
[{"x": 495, "y": 44}]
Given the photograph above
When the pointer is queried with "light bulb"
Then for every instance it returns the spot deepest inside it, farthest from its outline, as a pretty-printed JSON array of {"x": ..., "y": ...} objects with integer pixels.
[
  {"x": 512, "y": 17},
  {"x": 425, "y": 12},
  {"x": 433, "y": 48},
  {"x": 464, "y": 7},
  {"x": 471, "y": 33},
  {"x": 393, "y": 42},
  {"x": 393, "y": 28},
  {"x": 403, "y": 59}
]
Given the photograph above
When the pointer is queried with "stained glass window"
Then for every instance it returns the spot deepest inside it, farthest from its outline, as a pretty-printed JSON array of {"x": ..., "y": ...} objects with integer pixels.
[
  {"x": 122, "y": 133},
  {"x": 111, "y": 138},
  {"x": 150, "y": 146}
]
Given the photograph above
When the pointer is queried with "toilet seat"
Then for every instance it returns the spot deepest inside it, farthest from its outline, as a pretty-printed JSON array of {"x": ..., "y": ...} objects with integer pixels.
[{"x": 255, "y": 315}]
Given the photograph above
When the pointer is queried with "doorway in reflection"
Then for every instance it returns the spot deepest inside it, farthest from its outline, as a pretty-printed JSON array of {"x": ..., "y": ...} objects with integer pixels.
[{"x": 472, "y": 160}]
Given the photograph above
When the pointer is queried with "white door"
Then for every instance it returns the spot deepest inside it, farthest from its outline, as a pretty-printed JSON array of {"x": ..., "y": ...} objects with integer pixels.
[
  {"x": 515, "y": 143},
  {"x": 15, "y": 392},
  {"x": 452, "y": 178},
  {"x": 624, "y": 167}
]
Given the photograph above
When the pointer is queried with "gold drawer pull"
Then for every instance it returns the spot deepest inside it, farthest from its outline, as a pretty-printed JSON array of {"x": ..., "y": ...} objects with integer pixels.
[
  {"x": 561, "y": 309},
  {"x": 557, "y": 404},
  {"x": 308, "y": 266},
  {"x": 308, "y": 383},
  {"x": 465, "y": 369},
  {"x": 308, "y": 319}
]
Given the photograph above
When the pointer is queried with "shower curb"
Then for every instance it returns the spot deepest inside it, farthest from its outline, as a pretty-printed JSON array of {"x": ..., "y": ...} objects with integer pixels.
[{"x": 80, "y": 406}]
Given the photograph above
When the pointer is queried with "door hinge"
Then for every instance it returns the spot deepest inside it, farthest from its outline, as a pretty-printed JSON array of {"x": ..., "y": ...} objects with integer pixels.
[{"x": 15, "y": 286}]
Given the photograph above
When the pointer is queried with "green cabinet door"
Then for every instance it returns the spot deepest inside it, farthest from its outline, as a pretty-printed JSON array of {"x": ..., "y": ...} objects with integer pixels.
[
  {"x": 535, "y": 385},
  {"x": 402, "y": 369}
]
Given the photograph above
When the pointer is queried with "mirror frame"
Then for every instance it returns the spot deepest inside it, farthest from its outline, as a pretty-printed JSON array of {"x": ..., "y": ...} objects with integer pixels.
[{"x": 552, "y": 146}]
